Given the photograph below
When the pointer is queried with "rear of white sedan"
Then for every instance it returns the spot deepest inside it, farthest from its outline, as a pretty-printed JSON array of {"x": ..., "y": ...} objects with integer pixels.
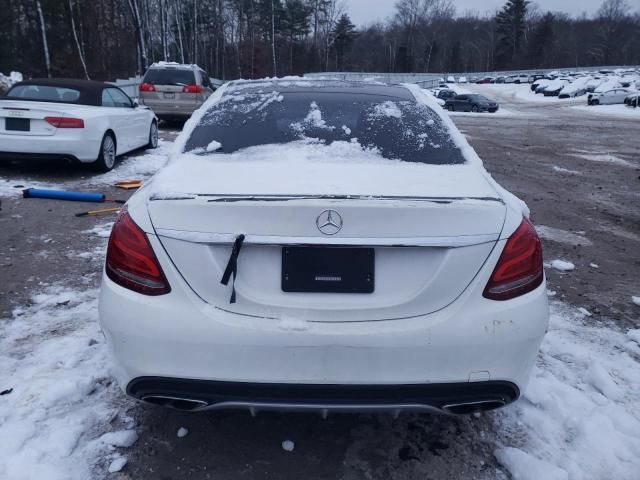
[
  {"x": 75, "y": 120},
  {"x": 326, "y": 246}
]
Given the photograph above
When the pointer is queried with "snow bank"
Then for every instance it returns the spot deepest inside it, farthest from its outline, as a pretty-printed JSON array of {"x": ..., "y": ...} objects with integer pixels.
[
  {"x": 578, "y": 418},
  {"x": 139, "y": 167},
  {"x": 53, "y": 356},
  {"x": 621, "y": 111}
]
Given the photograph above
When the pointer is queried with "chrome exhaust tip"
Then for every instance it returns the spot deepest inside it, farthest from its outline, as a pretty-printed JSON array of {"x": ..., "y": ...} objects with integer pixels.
[
  {"x": 184, "y": 404},
  {"x": 467, "y": 408}
]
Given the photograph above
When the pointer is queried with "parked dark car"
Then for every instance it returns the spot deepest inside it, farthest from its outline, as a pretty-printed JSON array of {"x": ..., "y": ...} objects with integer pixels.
[
  {"x": 471, "y": 103},
  {"x": 446, "y": 94},
  {"x": 486, "y": 80}
]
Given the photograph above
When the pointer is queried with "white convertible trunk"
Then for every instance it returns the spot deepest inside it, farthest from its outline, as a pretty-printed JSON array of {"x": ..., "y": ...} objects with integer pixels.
[
  {"x": 430, "y": 228},
  {"x": 35, "y": 113}
]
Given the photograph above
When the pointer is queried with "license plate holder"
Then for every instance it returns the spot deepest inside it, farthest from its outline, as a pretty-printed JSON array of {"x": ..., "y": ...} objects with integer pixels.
[
  {"x": 17, "y": 124},
  {"x": 328, "y": 269}
]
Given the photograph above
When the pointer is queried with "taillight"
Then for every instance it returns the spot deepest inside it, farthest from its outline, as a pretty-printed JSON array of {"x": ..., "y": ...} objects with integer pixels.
[
  {"x": 519, "y": 269},
  {"x": 65, "y": 122},
  {"x": 147, "y": 87},
  {"x": 131, "y": 262},
  {"x": 192, "y": 89}
]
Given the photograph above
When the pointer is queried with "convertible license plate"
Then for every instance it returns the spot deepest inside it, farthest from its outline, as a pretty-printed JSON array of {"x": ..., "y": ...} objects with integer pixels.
[
  {"x": 169, "y": 95},
  {"x": 328, "y": 270},
  {"x": 17, "y": 124}
]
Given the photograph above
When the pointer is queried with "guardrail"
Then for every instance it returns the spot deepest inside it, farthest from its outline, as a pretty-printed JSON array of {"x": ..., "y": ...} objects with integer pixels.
[{"x": 430, "y": 80}]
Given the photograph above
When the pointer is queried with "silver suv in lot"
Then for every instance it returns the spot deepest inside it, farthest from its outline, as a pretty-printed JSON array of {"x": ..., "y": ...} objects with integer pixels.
[{"x": 173, "y": 91}]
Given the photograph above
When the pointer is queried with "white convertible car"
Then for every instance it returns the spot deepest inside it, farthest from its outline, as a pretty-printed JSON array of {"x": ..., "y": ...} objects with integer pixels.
[
  {"x": 77, "y": 120},
  {"x": 323, "y": 245}
]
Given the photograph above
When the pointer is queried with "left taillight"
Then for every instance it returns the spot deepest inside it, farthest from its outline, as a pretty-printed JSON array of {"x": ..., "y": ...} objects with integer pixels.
[
  {"x": 131, "y": 262},
  {"x": 520, "y": 267},
  {"x": 65, "y": 122},
  {"x": 192, "y": 89}
]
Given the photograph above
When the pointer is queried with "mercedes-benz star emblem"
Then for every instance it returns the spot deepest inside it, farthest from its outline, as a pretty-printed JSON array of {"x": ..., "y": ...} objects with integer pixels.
[{"x": 329, "y": 222}]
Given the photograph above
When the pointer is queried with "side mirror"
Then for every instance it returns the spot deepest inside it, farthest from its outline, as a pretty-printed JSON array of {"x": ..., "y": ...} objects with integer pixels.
[{"x": 135, "y": 104}]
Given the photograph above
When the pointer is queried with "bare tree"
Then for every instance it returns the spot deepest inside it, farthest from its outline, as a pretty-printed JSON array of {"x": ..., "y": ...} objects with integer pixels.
[
  {"x": 45, "y": 43},
  {"x": 75, "y": 37}
]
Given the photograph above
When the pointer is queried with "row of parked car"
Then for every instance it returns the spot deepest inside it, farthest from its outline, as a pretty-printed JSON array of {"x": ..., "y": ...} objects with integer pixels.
[{"x": 599, "y": 89}]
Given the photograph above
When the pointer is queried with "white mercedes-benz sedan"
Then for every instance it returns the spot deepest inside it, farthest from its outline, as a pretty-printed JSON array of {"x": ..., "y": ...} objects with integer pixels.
[
  {"x": 323, "y": 245},
  {"x": 78, "y": 120}
]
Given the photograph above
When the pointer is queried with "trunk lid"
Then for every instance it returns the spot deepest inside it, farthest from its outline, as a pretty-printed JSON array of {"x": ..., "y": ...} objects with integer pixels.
[
  {"x": 34, "y": 113},
  {"x": 428, "y": 247}
]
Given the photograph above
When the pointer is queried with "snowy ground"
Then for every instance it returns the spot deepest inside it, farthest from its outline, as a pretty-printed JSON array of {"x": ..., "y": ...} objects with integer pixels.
[{"x": 62, "y": 417}]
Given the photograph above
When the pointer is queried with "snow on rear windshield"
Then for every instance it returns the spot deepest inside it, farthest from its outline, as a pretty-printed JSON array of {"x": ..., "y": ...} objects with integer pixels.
[{"x": 396, "y": 128}]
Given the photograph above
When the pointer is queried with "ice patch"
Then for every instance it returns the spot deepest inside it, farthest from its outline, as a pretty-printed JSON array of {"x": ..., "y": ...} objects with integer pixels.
[
  {"x": 102, "y": 230},
  {"x": 182, "y": 432},
  {"x": 561, "y": 265},
  {"x": 288, "y": 446},
  {"x": 562, "y": 236},
  {"x": 117, "y": 464},
  {"x": 636, "y": 300},
  {"x": 604, "y": 158},
  {"x": 121, "y": 438},
  {"x": 566, "y": 170}
]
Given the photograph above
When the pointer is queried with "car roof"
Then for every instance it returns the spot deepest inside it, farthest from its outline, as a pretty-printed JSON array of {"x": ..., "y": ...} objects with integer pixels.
[
  {"x": 90, "y": 90},
  {"x": 302, "y": 85}
]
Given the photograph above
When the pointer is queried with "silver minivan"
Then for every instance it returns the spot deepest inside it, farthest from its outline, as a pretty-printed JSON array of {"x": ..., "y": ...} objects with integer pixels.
[{"x": 173, "y": 90}]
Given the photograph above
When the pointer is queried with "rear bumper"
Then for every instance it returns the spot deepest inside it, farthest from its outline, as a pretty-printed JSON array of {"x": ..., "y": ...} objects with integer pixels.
[
  {"x": 63, "y": 145},
  {"x": 188, "y": 394},
  {"x": 37, "y": 156},
  {"x": 171, "y": 109},
  {"x": 186, "y": 345}
]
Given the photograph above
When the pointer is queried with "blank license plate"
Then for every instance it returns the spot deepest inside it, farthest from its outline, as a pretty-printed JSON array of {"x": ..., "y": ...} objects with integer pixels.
[
  {"x": 17, "y": 124},
  {"x": 328, "y": 269}
]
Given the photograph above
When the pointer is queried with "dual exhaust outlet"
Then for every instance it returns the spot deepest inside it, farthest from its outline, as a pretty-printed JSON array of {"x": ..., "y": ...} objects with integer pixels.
[{"x": 192, "y": 405}]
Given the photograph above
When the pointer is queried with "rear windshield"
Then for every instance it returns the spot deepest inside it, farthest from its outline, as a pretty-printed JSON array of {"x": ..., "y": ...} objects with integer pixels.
[
  {"x": 397, "y": 128},
  {"x": 170, "y": 76},
  {"x": 44, "y": 93}
]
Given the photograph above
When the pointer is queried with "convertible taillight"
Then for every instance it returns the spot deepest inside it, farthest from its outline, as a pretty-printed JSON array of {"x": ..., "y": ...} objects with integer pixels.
[
  {"x": 65, "y": 122},
  {"x": 192, "y": 89},
  {"x": 519, "y": 269},
  {"x": 147, "y": 87},
  {"x": 131, "y": 262}
]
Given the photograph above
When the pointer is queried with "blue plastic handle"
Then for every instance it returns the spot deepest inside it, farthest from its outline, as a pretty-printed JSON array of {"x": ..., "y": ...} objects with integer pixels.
[{"x": 62, "y": 195}]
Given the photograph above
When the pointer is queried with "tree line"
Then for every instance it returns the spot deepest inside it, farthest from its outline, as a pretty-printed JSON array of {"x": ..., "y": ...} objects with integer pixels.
[{"x": 105, "y": 39}]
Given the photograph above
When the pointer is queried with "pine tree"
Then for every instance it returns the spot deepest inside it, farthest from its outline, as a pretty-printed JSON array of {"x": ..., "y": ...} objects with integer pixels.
[
  {"x": 344, "y": 34},
  {"x": 541, "y": 42},
  {"x": 511, "y": 32}
]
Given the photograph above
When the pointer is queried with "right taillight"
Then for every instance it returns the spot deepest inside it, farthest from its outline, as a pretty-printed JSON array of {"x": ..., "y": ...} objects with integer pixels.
[
  {"x": 147, "y": 87},
  {"x": 519, "y": 269},
  {"x": 131, "y": 262}
]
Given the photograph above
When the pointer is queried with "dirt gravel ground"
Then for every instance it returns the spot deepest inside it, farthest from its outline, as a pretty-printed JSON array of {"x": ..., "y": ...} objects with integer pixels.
[{"x": 579, "y": 174}]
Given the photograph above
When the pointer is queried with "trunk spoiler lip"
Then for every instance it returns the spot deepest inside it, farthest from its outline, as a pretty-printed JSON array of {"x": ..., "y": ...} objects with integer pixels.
[
  {"x": 230, "y": 198},
  {"x": 275, "y": 240}
]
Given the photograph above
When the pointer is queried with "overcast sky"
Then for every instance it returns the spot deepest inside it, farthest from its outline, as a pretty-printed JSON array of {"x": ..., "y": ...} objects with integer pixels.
[{"x": 367, "y": 11}]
